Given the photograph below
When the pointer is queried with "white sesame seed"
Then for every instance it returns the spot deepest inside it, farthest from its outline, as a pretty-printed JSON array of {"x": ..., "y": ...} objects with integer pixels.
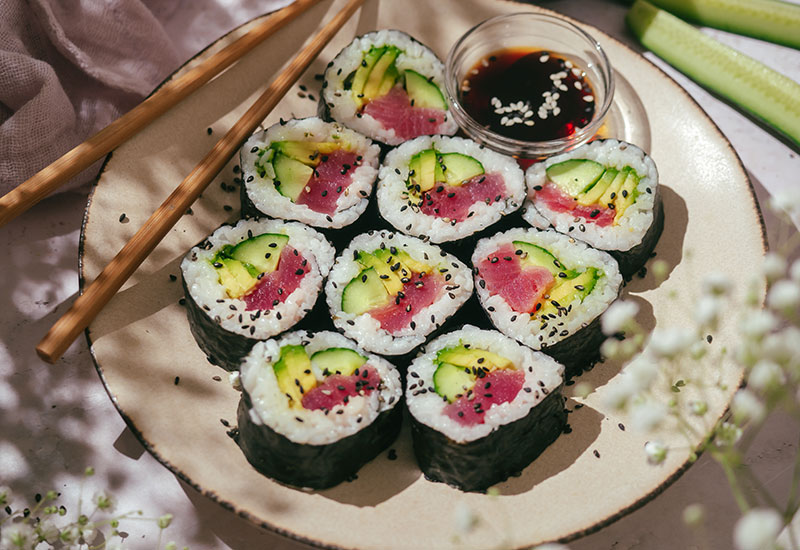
[
  {"x": 485, "y": 62},
  {"x": 528, "y": 114},
  {"x": 504, "y": 120},
  {"x": 516, "y": 120},
  {"x": 578, "y": 85},
  {"x": 556, "y": 111},
  {"x": 563, "y": 87},
  {"x": 544, "y": 58},
  {"x": 556, "y": 95},
  {"x": 588, "y": 98},
  {"x": 568, "y": 64},
  {"x": 528, "y": 122},
  {"x": 474, "y": 71},
  {"x": 576, "y": 72}
]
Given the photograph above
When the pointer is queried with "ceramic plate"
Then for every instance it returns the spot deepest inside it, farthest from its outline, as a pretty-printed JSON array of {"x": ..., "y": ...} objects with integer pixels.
[{"x": 174, "y": 400}]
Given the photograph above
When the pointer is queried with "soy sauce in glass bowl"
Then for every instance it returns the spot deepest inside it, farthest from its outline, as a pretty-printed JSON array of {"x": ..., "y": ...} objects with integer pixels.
[{"x": 529, "y": 85}]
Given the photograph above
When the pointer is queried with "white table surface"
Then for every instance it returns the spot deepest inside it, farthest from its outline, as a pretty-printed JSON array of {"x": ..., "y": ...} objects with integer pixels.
[{"x": 57, "y": 419}]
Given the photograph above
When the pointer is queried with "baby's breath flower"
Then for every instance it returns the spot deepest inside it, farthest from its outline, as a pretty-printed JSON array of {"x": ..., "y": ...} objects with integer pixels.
[
  {"x": 616, "y": 395},
  {"x": 619, "y": 317},
  {"x": 114, "y": 544},
  {"x": 17, "y": 535},
  {"x": 694, "y": 515},
  {"x": 728, "y": 434},
  {"x": 774, "y": 266},
  {"x": 757, "y": 529},
  {"x": 794, "y": 271},
  {"x": 465, "y": 518},
  {"x": 164, "y": 521},
  {"x": 103, "y": 501},
  {"x": 698, "y": 408},
  {"x": 698, "y": 350},
  {"x": 89, "y": 534},
  {"x": 747, "y": 407},
  {"x": 171, "y": 545},
  {"x": 766, "y": 375},
  {"x": 706, "y": 310},
  {"x": 5, "y": 496},
  {"x": 48, "y": 530},
  {"x": 717, "y": 284},
  {"x": 787, "y": 200},
  {"x": 235, "y": 380},
  {"x": 756, "y": 324},
  {"x": 660, "y": 269},
  {"x": 784, "y": 296},
  {"x": 610, "y": 348},
  {"x": 70, "y": 533},
  {"x": 583, "y": 389},
  {"x": 642, "y": 372},
  {"x": 671, "y": 341},
  {"x": 647, "y": 415},
  {"x": 656, "y": 452}
]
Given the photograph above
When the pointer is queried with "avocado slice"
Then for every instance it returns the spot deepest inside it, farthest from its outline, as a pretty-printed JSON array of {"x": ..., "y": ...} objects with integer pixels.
[
  {"x": 575, "y": 176},
  {"x": 337, "y": 361},
  {"x": 365, "y": 292},
  {"x": 627, "y": 195},
  {"x": 593, "y": 194},
  {"x": 363, "y": 72},
  {"x": 422, "y": 166},
  {"x": 458, "y": 168},
  {"x": 262, "y": 251},
  {"x": 423, "y": 92},
  {"x": 237, "y": 277},
  {"x": 613, "y": 190},
  {"x": 307, "y": 152},
  {"x": 291, "y": 176},
  {"x": 407, "y": 264},
  {"x": 378, "y": 72},
  {"x": 567, "y": 291},
  {"x": 410, "y": 263},
  {"x": 462, "y": 356},
  {"x": 389, "y": 80},
  {"x": 533, "y": 255},
  {"x": 388, "y": 276},
  {"x": 293, "y": 371},
  {"x": 451, "y": 381}
]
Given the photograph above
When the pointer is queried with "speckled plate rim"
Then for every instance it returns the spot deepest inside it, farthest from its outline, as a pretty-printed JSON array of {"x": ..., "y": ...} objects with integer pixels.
[{"x": 300, "y": 538}]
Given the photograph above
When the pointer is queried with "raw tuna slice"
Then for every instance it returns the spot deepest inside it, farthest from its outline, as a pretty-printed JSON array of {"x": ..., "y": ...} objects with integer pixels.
[
  {"x": 394, "y": 111},
  {"x": 332, "y": 176},
  {"x": 338, "y": 389},
  {"x": 417, "y": 294},
  {"x": 454, "y": 202},
  {"x": 521, "y": 288},
  {"x": 495, "y": 388},
  {"x": 557, "y": 200},
  {"x": 276, "y": 286}
]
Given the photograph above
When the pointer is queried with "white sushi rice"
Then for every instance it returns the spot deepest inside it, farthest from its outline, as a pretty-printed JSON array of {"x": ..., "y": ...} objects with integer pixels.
[
  {"x": 414, "y": 56},
  {"x": 364, "y": 328},
  {"x": 271, "y": 406},
  {"x": 633, "y": 224},
  {"x": 572, "y": 254},
  {"x": 262, "y": 192},
  {"x": 543, "y": 375},
  {"x": 203, "y": 284},
  {"x": 392, "y": 192}
]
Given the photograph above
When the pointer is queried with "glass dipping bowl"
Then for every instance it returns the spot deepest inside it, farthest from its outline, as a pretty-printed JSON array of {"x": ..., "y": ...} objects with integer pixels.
[{"x": 539, "y": 32}]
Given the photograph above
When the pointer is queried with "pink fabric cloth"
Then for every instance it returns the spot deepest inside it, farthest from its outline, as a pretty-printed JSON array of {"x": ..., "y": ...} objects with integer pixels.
[{"x": 70, "y": 67}]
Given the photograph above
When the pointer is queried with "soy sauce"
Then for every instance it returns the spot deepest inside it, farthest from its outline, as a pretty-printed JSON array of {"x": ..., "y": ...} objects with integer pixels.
[{"x": 528, "y": 94}]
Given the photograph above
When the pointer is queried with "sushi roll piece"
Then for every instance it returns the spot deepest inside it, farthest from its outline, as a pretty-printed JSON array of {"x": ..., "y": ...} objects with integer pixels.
[
  {"x": 319, "y": 173},
  {"x": 388, "y": 291},
  {"x": 388, "y": 86},
  {"x": 604, "y": 193},
  {"x": 250, "y": 281},
  {"x": 482, "y": 406},
  {"x": 447, "y": 188},
  {"x": 547, "y": 291},
  {"x": 315, "y": 408}
]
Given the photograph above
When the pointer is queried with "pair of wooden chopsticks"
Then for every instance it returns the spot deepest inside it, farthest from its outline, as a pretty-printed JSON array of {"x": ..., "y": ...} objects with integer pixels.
[{"x": 122, "y": 266}]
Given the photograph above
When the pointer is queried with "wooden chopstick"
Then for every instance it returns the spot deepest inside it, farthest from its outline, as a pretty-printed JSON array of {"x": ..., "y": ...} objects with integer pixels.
[
  {"x": 122, "y": 266},
  {"x": 82, "y": 156}
]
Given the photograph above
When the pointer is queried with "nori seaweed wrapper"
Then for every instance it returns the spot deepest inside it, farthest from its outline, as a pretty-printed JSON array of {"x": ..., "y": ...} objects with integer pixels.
[
  {"x": 579, "y": 351},
  {"x": 222, "y": 347},
  {"x": 479, "y": 464},
  {"x": 313, "y": 466}
]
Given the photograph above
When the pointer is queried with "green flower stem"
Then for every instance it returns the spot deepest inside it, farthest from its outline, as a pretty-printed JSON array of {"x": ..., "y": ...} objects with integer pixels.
[
  {"x": 733, "y": 481},
  {"x": 793, "y": 503},
  {"x": 758, "y": 486}
]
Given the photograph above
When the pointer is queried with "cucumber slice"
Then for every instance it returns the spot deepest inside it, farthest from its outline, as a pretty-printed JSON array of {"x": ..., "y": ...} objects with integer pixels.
[
  {"x": 364, "y": 292},
  {"x": 769, "y": 20},
  {"x": 389, "y": 277},
  {"x": 575, "y": 176},
  {"x": 751, "y": 85},
  {"x": 458, "y": 168},
  {"x": 423, "y": 92},
  {"x": 291, "y": 176},
  {"x": 451, "y": 381},
  {"x": 533, "y": 255},
  {"x": 337, "y": 361},
  {"x": 261, "y": 251}
]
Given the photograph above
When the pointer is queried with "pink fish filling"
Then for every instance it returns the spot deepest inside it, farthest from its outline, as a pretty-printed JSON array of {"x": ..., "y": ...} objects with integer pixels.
[
  {"x": 495, "y": 388},
  {"x": 331, "y": 177},
  {"x": 417, "y": 294},
  {"x": 276, "y": 286},
  {"x": 394, "y": 111},
  {"x": 521, "y": 288},
  {"x": 557, "y": 200},
  {"x": 337, "y": 389},
  {"x": 454, "y": 201}
]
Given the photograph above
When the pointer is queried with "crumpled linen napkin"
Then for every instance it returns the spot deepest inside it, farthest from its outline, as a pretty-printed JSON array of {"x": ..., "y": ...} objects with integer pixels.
[{"x": 70, "y": 67}]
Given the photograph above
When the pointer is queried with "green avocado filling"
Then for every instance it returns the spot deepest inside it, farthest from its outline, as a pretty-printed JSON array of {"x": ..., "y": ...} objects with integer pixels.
[
  {"x": 239, "y": 267},
  {"x": 383, "y": 274},
  {"x": 592, "y": 184},
  {"x": 459, "y": 367},
  {"x": 429, "y": 167},
  {"x": 378, "y": 73}
]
